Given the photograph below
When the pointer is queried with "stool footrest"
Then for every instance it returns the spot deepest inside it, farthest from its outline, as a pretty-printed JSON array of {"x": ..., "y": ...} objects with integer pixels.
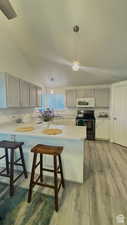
[
  {"x": 37, "y": 179},
  {"x": 51, "y": 170},
  {"x": 2, "y": 156},
  {"x": 44, "y": 185},
  {"x": 37, "y": 165},
  {"x": 2, "y": 171},
  {"x": 17, "y": 160},
  {"x": 18, "y": 177},
  {"x": 48, "y": 170},
  {"x": 17, "y": 164}
]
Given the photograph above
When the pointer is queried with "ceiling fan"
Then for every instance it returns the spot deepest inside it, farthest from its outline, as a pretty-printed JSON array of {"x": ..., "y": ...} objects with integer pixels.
[
  {"x": 89, "y": 69},
  {"x": 7, "y": 9},
  {"x": 76, "y": 66}
]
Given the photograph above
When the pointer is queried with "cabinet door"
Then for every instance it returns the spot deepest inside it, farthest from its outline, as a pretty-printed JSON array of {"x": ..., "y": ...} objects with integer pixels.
[
  {"x": 85, "y": 93},
  {"x": 64, "y": 121},
  {"x": 33, "y": 95},
  {"x": 13, "y": 91},
  {"x": 102, "y": 97},
  {"x": 2, "y": 91},
  {"x": 103, "y": 129},
  {"x": 119, "y": 114},
  {"x": 70, "y": 98},
  {"x": 24, "y": 93},
  {"x": 39, "y": 96}
]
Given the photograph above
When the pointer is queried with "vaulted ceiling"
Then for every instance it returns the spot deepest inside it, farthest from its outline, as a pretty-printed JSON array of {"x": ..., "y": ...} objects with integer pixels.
[{"x": 43, "y": 32}]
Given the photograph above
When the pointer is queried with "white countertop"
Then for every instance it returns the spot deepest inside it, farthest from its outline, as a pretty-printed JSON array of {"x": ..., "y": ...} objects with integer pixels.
[
  {"x": 102, "y": 118},
  {"x": 69, "y": 132}
]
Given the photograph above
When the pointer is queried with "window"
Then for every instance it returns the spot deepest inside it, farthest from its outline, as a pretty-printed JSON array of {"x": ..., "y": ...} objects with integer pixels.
[{"x": 54, "y": 101}]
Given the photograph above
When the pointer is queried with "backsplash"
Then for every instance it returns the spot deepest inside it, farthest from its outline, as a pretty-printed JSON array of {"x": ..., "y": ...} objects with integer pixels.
[
  {"x": 73, "y": 112},
  {"x": 102, "y": 111},
  {"x": 8, "y": 115}
]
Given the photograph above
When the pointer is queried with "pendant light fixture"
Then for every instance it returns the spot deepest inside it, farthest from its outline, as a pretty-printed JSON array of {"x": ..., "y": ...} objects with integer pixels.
[
  {"x": 51, "y": 90},
  {"x": 76, "y": 64}
]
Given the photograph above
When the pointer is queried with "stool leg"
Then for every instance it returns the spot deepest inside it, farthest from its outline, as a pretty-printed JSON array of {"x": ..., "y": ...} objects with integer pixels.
[
  {"x": 23, "y": 162},
  {"x": 11, "y": 172},
  {"x": 32, "y": 177},
  {"x": 61, "y": 171},
  {"x": 41, "y": 167},
  {"x": 55, "y": 183},
  {"x": 7, "y": 160}
]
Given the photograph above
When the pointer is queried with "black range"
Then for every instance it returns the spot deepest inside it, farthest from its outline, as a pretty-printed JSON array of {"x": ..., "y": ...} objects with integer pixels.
[{"x": 87, "y": 118}]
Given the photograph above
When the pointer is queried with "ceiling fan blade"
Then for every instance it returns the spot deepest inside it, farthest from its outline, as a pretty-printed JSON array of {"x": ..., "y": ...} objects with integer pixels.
[
  {"x": 58, "y": 60},
  {"x": 91, "y": 70},
  {"x": 98, "y": 71},
  {"x": 7, "y": 9}
]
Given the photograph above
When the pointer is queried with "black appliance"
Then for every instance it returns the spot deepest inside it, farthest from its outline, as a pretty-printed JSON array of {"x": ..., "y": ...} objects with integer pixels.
[{"x": 87, "y": 118}]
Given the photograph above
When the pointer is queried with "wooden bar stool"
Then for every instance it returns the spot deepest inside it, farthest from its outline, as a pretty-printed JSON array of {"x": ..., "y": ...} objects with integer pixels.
[
  {"x": 9, "y": 170},
  {"x": 55, "y": 151}
]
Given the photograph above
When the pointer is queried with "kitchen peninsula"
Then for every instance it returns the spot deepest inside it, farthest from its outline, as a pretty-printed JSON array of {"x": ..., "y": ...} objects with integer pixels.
[{"x": 72, "y": 138}]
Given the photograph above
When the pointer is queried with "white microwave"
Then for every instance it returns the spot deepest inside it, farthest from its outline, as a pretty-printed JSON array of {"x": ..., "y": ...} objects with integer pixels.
[{"x": 85, "y": 102}]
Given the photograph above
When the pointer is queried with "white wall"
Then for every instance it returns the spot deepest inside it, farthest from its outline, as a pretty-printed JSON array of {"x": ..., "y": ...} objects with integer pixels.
[
  {"x": 13, "y": 61},
  {"x": 12, "y": 58}
]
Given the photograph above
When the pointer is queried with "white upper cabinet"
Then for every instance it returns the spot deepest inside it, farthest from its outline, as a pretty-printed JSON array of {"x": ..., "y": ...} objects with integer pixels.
[
  {"x": 70, "y": 98},
  {"x": 12, "y": 89},
  {"x": 33, "y": 95},
  {"x": 15, "y": 92},
  {"x": 85, "y": 93},
  {"x": 2, "y": 91},
  {"x": 102, "y": 97},
  {"x": 9, "y": 91},
  {"x": 39, "y": 96},
  {"x": 24, "y": 93}
]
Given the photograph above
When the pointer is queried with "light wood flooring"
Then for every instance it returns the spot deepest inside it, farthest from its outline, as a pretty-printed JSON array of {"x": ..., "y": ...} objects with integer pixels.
[{"x": 103, "y": 196}]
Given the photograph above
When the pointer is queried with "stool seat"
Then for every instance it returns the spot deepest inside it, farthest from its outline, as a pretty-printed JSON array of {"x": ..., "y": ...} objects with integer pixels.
[
  {"x": 47, "y": 149},
  {"x": 10, "y": 144}
]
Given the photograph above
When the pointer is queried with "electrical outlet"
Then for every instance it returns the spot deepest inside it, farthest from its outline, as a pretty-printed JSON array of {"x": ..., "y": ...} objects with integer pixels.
[{"x": 120, "y": 219}]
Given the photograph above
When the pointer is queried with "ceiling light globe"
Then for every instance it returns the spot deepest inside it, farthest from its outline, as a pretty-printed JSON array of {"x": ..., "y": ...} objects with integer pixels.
[
  {"x": 76, "y": 66},
  {"x": 51, "y": 91}
]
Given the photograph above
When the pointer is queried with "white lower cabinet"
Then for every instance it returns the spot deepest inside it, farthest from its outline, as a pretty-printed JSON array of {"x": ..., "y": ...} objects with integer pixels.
[{"x": 102, "y": 129}]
